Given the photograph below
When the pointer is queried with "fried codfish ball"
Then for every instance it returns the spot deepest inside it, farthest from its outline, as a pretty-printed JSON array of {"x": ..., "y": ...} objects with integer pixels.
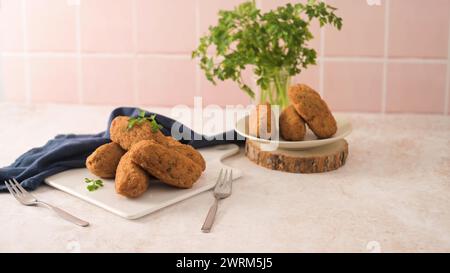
[
  {"x": 301, "y": 89},
  {"x": 131, "y": 180},
  {"x": 260, "y": 121},
  {"x": 186, "y": 150},
  {"x": 310, "y": 106},
  {"x": 168, "y": 165},
  {"x": 104, "y": 160},
  {"x": 127, "y": 137},
  {"x": 292, "y": 126}
]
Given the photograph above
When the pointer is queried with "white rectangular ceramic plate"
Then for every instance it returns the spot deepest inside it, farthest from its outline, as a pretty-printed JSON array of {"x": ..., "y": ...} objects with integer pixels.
[{"x": 157, "y": 197}]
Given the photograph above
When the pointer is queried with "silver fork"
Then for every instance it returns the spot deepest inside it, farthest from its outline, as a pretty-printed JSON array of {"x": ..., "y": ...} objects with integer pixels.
[
  {"x": 222, "y": 190},
  {"x": 27, "y": 199}
]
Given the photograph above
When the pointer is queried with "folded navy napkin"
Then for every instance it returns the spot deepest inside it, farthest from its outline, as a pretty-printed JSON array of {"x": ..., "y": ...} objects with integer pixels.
[{"x": 66, "y": 152}]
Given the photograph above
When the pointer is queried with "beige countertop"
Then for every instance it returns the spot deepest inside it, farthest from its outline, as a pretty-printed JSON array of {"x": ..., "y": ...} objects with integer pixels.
[{"x": 393, "y": 195}]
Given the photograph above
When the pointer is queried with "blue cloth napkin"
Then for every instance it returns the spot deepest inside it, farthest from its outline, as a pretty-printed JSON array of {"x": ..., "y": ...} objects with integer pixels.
[{"x": 66, "y": 152}]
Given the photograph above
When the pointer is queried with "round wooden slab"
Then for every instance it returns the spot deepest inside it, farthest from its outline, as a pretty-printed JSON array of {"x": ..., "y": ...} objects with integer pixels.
[{"x": 316, "y": 160}]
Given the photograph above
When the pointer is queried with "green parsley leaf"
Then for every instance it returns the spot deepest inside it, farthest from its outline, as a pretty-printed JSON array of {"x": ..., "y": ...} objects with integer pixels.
[
  {"x": 132, "y": 122},
  {"x": 92, "y": 187},
  {"x": 154, "y": 124},
  {"x": 141, "y": 118},
  {"x": 93, "y": 184}
]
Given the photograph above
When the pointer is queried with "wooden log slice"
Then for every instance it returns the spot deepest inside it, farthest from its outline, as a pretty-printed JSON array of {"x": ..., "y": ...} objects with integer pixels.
[{"x": 316, "y": 160}]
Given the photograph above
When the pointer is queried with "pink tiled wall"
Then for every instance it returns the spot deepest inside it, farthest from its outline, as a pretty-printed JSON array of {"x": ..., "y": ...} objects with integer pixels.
[{"x": 391, "y": 56}]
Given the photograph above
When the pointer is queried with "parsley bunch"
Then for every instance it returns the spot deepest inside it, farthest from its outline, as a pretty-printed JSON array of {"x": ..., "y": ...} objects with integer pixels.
[
  {"x": 271, "y": 43},
  {"x": 141, "y": 118},
  {"x": 93, "y": 184}
]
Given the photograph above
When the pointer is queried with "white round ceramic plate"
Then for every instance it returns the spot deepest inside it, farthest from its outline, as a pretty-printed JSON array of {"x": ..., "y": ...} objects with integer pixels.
[{"x": 310, "y": 141}]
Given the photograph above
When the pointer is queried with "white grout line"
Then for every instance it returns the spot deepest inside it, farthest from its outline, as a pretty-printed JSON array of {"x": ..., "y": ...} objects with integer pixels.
[
  {"x": 135, "y": 50},
  {"x": 386, "y": 56},
  {"x": 188, "y": 57},
  {"x": 351, "y": 59},
  {"x": 416, "y": 61},
  {"x": 198, "y": 88},
  {"x": 382, "y": 60},
  {"x": 40, "y": 54},
  {"x": 96, "y": 55},
  {"x": 447, "y": 84},
  {"x": 2, "y": 87},
  {"x": 25, "y": 55},
  {"x": 80, "y": 90},
  {"x": 322, "y": 60}
]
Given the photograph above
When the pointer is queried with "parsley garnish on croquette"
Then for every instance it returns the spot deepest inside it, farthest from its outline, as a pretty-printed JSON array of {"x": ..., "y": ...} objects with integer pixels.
[{"x": 141, "y": 118}]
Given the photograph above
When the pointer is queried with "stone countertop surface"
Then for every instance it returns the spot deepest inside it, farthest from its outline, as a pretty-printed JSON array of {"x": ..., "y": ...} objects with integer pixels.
[{"x": 393, "y": 195}]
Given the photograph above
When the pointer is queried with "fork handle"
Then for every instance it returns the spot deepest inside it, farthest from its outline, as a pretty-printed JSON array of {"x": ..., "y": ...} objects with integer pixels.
[
  {"x": 65, "y": 215},
  {"x": 206, "y": 228}
]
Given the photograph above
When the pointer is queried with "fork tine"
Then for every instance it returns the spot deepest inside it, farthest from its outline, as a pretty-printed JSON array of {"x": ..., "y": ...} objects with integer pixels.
[
  {"x": 14, "y": 187},
  {"x": 231, "y": 177},
  {"x": 9, "y": 188},
  {"x": 22, "y": 190},
  {"x": 219, "y": 179},
  {"x": 13, "y": 193},
  {"x": 226, "y": 182},
  {"x": 231, "y": 181},
  {"x": 226, "y": 185},
  {"x": 222, "y": 182},
  {"x": 220, "y": 175},
  {"x": 226, "y": 178}
]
